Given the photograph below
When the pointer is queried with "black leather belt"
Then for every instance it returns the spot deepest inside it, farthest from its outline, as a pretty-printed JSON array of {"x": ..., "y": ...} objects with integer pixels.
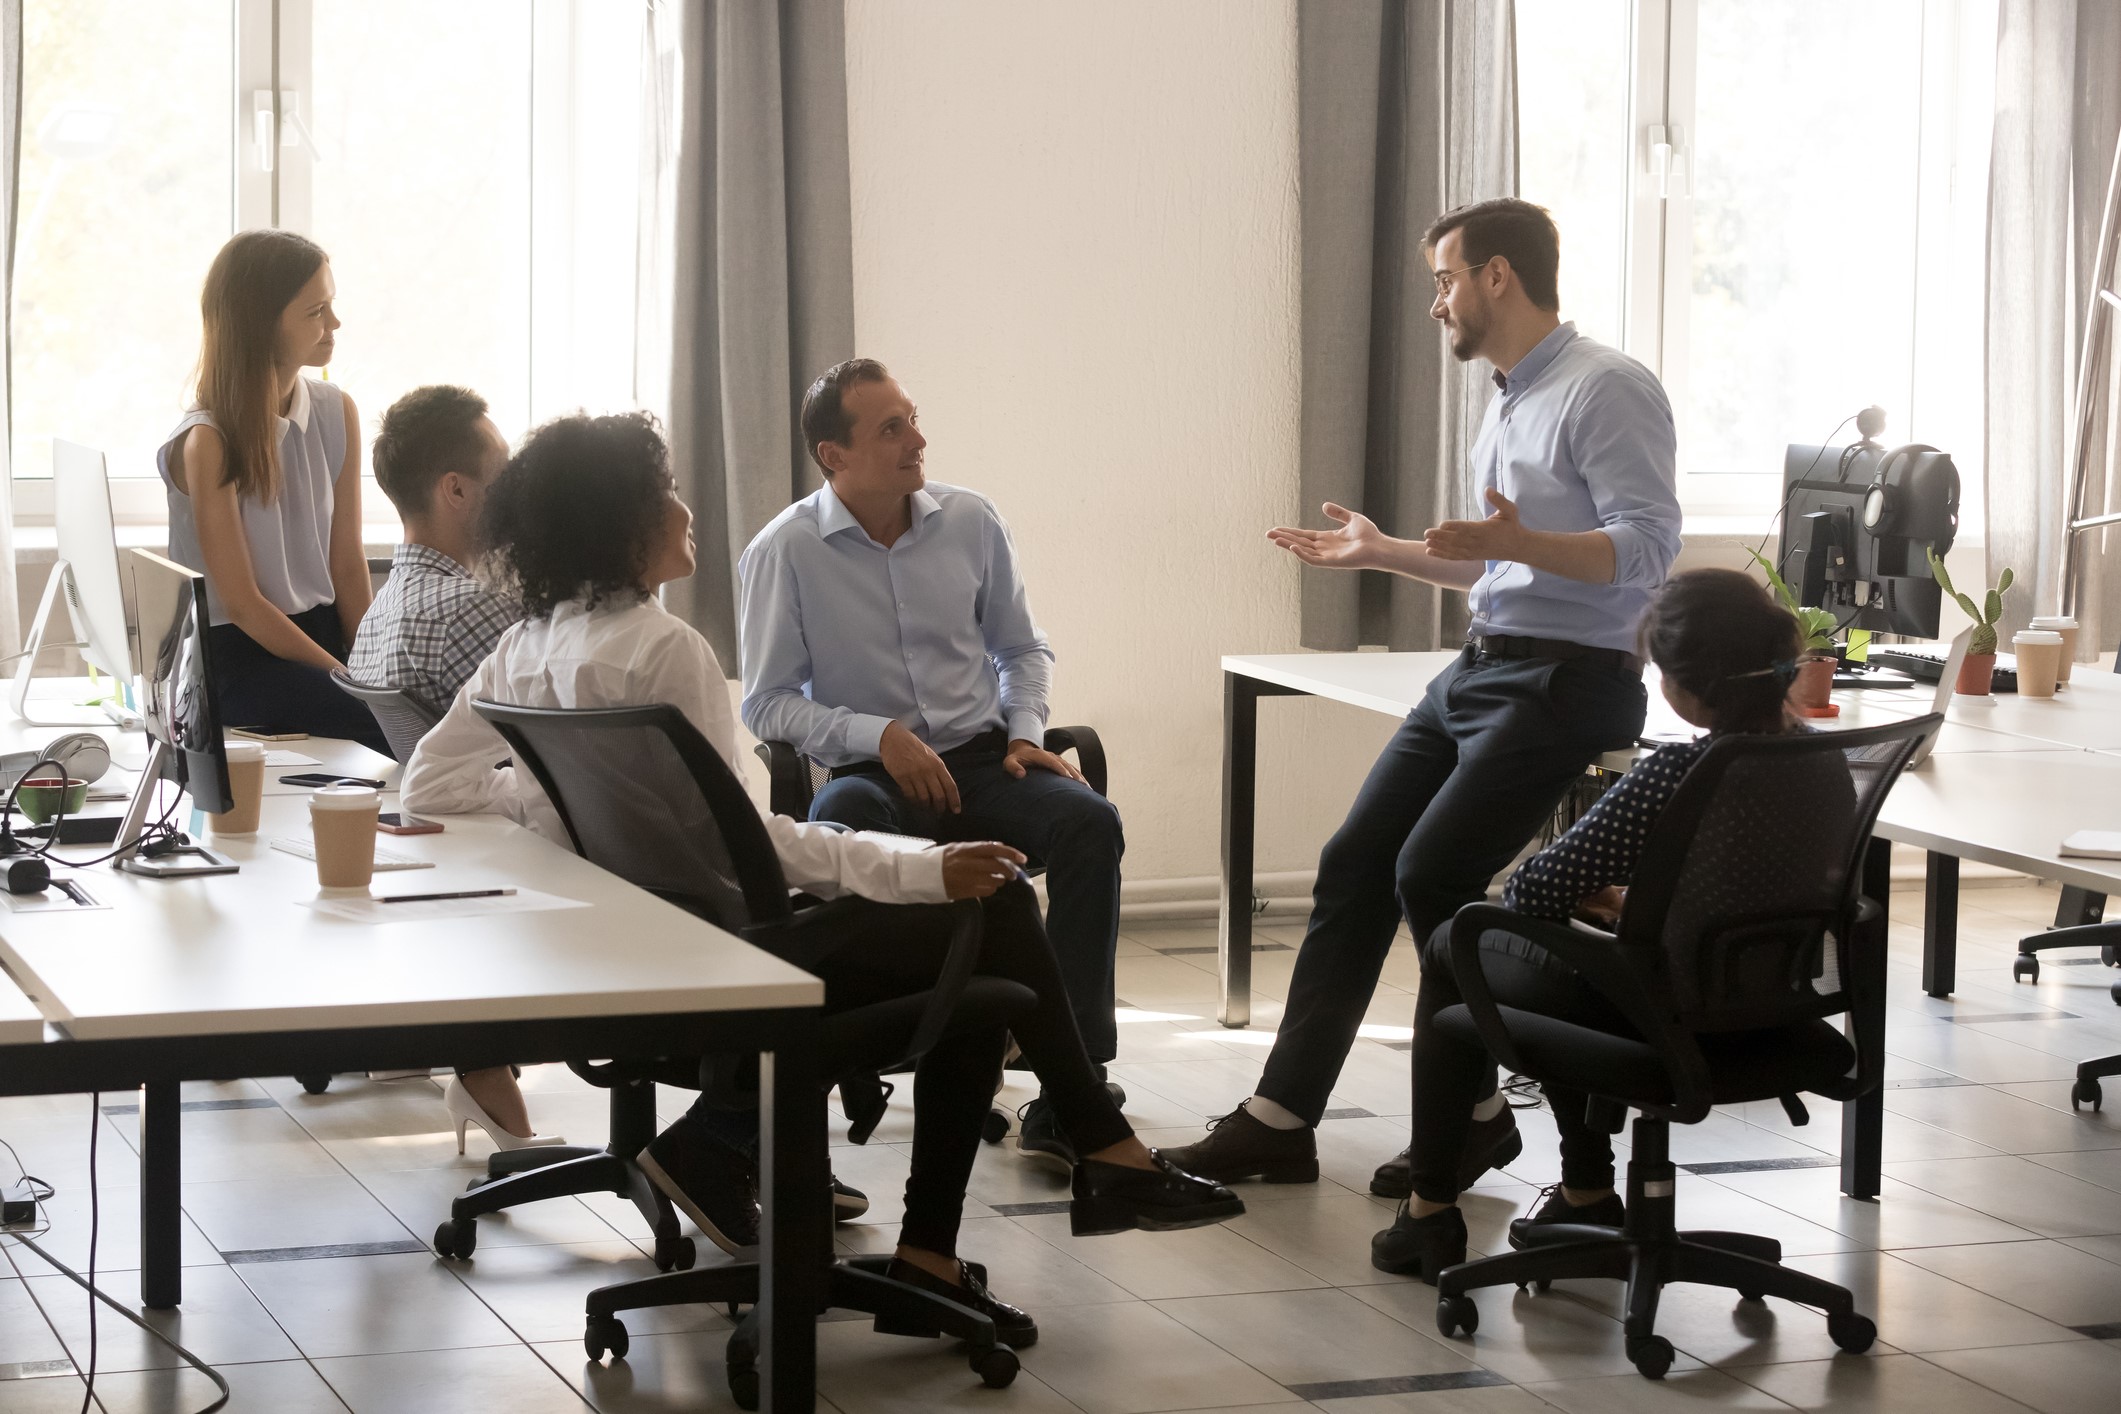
[{"x": 1511, "y": 646}]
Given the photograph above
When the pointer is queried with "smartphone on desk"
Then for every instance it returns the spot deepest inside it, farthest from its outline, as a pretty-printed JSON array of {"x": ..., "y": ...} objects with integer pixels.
[
  {"x": 390, "y": 822},
  {"x": 316, "y": 779}
]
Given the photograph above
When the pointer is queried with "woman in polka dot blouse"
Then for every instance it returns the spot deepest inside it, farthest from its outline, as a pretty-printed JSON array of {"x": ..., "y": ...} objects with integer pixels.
[{"x": 1727, "y": 652}]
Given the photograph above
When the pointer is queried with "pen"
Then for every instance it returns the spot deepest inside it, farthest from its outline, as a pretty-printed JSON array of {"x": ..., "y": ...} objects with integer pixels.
[{"x": 438, "y": 898}]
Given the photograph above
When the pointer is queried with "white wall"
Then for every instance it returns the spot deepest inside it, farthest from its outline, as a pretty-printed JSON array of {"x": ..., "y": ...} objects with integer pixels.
[{"x": 1075, "y": 243}]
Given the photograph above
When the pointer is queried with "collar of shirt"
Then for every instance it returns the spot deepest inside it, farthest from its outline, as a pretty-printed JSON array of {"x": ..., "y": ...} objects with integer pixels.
[
  {"x": 1535, "y": 362},
  {"x": 298, "y": 405},
  {"x": 834, "y": 517},
  {"x": 412, "y": 555}
]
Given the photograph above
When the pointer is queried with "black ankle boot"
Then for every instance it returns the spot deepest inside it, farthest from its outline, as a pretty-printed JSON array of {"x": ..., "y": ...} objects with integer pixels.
[{"x": 1420, "y": 1247}]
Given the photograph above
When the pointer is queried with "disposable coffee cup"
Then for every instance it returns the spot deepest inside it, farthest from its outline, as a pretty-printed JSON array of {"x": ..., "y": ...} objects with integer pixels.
[
  {"x": 246, "y": 788},
  {"x": 2039, "y": 661},
  {"x": 342, "y": 821},
  {"x": 2067, "y": 627}
]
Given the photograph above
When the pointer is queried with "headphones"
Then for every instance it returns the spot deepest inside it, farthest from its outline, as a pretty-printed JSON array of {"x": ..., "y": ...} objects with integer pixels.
[
  {"x": 84, "y": 756},
  {"x": 1883, "y": 503}
]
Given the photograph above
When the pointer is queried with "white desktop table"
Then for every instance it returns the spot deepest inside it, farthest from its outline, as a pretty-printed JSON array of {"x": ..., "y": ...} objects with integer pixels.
[
  {"x": 2007, "y": 780},
  {"x": 21, "y": 1024},
  {"x": 228, "y": 976}
]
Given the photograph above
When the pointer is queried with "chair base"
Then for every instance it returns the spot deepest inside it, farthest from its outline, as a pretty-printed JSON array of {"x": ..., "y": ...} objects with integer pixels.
[
  {"x": 2086, "y": 1090},
  {"x": 2077, "y": 924},
  {"x": 1649, "y": 1254},
  {"x": 851, "y": 1284}
]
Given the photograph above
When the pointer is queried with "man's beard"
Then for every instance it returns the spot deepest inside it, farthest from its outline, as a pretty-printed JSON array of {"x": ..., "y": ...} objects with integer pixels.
[{"x": 1466, "y": 339}]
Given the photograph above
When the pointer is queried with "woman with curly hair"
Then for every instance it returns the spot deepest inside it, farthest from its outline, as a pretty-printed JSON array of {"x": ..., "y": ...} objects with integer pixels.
[{"x": 586, "y": 525}]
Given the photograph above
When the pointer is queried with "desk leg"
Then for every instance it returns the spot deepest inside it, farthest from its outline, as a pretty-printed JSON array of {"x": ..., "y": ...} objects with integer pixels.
[
  {"x": 797, "y": 1241},
  {"x": 1863, "y": 1118},
  {"x": 161, "y": 1195},
  {"x": 1940, "y": 924},
  {"x": 1240, "y": 781}
]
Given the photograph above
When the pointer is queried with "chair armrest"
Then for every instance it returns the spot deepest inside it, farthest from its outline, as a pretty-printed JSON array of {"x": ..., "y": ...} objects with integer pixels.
[
  {"x": 788, "y": 777},
  {"x": 1634, "y": 991},
  {"x": 1089, "y": 751}
]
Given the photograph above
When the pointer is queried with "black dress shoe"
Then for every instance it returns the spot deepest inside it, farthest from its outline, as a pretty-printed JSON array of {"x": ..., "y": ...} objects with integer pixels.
[
  {"x": 1420, "y": 1247},
  {"x": 707, "y": 1180},
  {"x": 1012, "y": 1327},
  {"x": 848, "y": 1203},
  {"x": 1490, "y": 1144},
  {"x": 1608, "y": 1211},
  {"x": 1042, "y": 1137},
  {"x": 1239, "y": 1146},
  {"x": 1115, "y": 1198}
]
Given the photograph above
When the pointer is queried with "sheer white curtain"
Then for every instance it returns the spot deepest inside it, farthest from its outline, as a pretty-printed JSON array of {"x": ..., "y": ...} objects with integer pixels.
[{"x": 10, "y": 152}]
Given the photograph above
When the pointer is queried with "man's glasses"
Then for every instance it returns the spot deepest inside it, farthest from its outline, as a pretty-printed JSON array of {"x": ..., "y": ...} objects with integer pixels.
[{"x": 1443, "y": 277}]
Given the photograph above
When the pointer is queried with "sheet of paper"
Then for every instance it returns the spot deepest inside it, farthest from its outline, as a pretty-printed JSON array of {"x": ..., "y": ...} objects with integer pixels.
[
  {"x": 277, "y": 757},
  {"x": 303, "y": 847},
  {"x": 2093, "y": 844},
  {"x": 369, "y": 909}
]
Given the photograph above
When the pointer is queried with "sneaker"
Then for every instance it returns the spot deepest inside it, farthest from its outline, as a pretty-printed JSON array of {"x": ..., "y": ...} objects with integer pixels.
[
  {"x": 1490, "y": 1144},
  {"x": 1420, "y": 1247},
  {"x": 1239, "y": 1146},
  {"x": 708, "y": 1181},
  {"x": 1109, "y": 1198},
  {"x": 848, "y": 1203},
  {"x": 1042, "y": 1137},
  {"x": 1012, "y": 1327},
  {"x": 1608, "y": 1211}
]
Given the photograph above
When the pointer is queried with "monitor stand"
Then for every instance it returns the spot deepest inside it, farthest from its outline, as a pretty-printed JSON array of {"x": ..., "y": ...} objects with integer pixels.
[
  {"x": 57, "y": 589},
  {"x": 178, "y": 862}
]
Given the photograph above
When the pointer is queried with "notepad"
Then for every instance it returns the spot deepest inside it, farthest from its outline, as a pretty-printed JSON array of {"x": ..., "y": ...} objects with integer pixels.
[
  {"x": 364, "y": 908},
  {"x": 2093, "y": 844},
  {"x": 303, "y": 847}
]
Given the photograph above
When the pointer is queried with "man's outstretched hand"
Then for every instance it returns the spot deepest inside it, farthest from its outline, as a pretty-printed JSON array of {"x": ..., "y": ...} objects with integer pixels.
[
  {"x": 1357, "y": 545},
  {"x": 1023, "y": 755},
  {"x": 1496, "y": 538}
]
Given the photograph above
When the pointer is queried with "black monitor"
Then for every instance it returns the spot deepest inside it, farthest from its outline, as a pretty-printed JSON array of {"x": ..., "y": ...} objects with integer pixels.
[
  {"x": 1857, "y": 525},
  {"x": 185, "y": 745}
]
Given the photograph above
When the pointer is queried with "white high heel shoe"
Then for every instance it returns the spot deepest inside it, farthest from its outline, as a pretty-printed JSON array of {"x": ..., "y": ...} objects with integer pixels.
[{"x": 465, "y": 1110}]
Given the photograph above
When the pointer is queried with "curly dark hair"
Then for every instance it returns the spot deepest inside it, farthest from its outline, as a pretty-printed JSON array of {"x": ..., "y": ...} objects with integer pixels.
[
  {"x": 1723, "y": 637},
  {"x": 577, "y": 512}
]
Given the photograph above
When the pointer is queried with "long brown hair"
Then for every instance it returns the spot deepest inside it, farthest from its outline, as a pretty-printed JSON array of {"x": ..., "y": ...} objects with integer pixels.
[{"x": 253, "y": 280}]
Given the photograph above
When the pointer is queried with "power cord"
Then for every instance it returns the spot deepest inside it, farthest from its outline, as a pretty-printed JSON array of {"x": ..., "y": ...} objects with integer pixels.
[{"x": 158, "y": 837}]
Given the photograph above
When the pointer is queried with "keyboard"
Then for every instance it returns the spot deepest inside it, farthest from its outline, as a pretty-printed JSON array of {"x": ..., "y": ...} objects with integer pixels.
[{"x": 1926, "y": 661}]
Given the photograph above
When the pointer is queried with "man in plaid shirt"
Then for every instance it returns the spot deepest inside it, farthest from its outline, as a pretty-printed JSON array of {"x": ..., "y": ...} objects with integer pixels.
[{"x": 433, "y": 621}]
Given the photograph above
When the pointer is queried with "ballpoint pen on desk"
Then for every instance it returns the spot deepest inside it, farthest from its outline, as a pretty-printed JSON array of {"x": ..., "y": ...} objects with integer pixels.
[{"x": 442, "y": 898}]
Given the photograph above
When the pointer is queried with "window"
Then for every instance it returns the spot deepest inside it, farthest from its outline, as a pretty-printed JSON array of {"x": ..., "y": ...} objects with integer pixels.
[
  {"x": 470, "y": 166},
  {"x": 1799, "y": 204}
]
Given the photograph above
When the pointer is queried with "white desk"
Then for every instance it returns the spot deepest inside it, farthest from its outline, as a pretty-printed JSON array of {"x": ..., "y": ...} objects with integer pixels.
[{"x": 21, "y": 1024}]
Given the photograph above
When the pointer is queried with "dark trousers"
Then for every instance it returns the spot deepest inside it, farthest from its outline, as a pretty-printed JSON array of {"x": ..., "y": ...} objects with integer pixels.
[
  {"x": 1451, "y": 1076},
  {"x": 253, "y": 688},
  {"x": 1062, "y": 823},
  {"x": 899, "y": 949},
  {"x": 1463, "y": 785}
]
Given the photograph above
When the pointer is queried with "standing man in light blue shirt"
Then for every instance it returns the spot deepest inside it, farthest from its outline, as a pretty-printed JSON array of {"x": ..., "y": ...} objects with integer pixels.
[
  {"x": 1575, "y": 461},
  {"x": 886, "y": 634}
]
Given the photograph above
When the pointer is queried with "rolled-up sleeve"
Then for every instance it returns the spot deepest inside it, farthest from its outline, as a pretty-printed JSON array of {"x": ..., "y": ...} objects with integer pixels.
[
  {"x": 776, "y": 666},
  {"x": 1023, "y": 659},
  {"x": 1624, "y": 446}
]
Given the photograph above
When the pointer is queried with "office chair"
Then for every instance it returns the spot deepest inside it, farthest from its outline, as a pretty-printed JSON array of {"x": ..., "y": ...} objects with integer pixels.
[
  {"x": 403, "y": 718},
  {"x": 1744, "y": 930},
  {"x": 644, "y": 795},
  {"x": 793, "y": 783},
  {"x": 2077, "y": 925}
]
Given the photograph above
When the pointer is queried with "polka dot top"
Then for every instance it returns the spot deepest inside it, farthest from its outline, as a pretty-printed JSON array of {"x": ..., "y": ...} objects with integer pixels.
[{"x": 1605, "y": 843}]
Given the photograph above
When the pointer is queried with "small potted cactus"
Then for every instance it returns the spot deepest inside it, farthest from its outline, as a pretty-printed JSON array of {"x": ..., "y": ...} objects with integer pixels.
[
  {"x": 1816, "y": 661},
  {"x": 1977, "y": 669}
]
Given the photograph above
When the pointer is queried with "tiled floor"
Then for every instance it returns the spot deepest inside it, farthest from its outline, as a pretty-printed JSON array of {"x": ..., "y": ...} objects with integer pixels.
[{"x": 1992, "y": 1265}]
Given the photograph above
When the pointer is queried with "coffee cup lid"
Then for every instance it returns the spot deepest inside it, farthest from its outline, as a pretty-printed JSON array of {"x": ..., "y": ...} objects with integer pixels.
[
  {"x": 245, "y": 750},
  {"x": 345, "y": 798},
  {"x": 2054, "y": 621},
  {"x": 2037, "y": 637}
]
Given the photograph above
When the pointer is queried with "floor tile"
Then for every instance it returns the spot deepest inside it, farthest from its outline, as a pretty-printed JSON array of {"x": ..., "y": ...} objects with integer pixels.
[
  {"x": 2019, "y": 1191},
  {"x": 26, "y": 1335},
  {"x": 1888, "y": 1384},
  {"x": 373, "y": 1305},
  {"x": 661, "y": 1374},
  {"x": 1903, "y": 1215},
  {"x": 1632, "y": 1394},
  {"x": 1492, "y": 1399},
  {"x": 509, "y": 1377},
  {"x": 420, "y": 1199},
  {"x": 117, "y": 1233},
  {"x": 1156, "y": 1266},
  {"x": 1307, "y": 1337},
  {"x": 1719, "y": 1328},
  {"x": 220, "y": 1320},
  {"x": 2080, "y": 1378},
  {"x": 2005, "y": 1122},
  {"x": 280, "y": 1387},
  {"x": 1329, "y": 1237},
  {"x": 224, "y": 1145},
  {"x": 539, "y": 1291},
  {"x": 1523, "y": 1337},
  {"x": 319, "y": 1209},
  {"x": 2067, "y": 1286},
  {"x": 1129, "y": 1358},
  {"x": 862, "y": 1372},
  {"x": 1917, "y": 1310}
]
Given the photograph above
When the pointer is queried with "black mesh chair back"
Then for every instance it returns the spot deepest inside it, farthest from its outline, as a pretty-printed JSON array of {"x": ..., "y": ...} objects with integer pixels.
[
  {"x": 1749, "y": 875},
  {"x": 403, "y": 718}
]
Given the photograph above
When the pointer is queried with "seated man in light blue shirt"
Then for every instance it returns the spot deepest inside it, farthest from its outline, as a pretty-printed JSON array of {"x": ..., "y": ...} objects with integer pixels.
[{"x": 886, "y": 634}]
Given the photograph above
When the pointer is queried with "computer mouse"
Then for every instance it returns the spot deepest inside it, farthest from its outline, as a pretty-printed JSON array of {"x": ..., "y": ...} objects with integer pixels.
[{"x": 28, "y": 876}]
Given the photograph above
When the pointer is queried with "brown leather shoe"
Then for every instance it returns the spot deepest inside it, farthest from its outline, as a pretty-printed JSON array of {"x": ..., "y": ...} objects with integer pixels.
[
  {"x": 1239, "y": 1146},
  {"x": 1490, "y": 1144}
]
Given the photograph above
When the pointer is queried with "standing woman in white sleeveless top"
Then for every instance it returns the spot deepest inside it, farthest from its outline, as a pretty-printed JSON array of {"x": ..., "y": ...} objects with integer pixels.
[{"x": 264, "y": 478}]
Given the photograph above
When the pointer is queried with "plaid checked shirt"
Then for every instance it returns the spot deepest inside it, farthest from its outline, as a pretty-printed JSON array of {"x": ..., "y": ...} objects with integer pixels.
[{"x": 430, "y": 627}]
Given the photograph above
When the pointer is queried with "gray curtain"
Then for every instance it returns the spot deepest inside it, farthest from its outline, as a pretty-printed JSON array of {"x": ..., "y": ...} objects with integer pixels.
[
  {"x": 10, "y": 167},
  {"x": 761, "y": 272},
  {"x": 1406, "y": 108},
  {"x": 2058, "y": 115}
]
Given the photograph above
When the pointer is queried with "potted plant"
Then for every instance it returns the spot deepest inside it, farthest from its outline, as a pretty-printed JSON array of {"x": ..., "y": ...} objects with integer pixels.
[
  {"x": 1977, "y": 669},
  {"x": 1815, "y": 665}
]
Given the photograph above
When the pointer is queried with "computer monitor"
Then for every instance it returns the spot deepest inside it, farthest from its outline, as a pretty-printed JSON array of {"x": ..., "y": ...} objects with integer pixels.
[
  {"x": 185, "y": 745},
  {"x": 86, "y": 578},
  {"x": 1857, "y": 525}
]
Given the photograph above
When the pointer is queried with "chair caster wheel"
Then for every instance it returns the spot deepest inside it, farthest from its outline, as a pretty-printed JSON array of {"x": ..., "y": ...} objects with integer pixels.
[
  {"x": 1539, "y": 1284},
  {"x": 2110, "y": 955},
  {"x": 2115, "y": 992},
  {"x": 1651, "y": 1354},
  {"x": 675, "y": 1254},
  {"x": 1118, "y": 1092},
  {"x": 996, "y": 1368},
  {"x": 1852, "y": 1332},
  {"x": 314, "y": 1084},
  {"x": 995, "y": 1127},
  {"x": 1457, "y": 1315},
  {"x": 456, "y": 1240},
  {"x": 1745, "y": 1295},
  {"x": 744, "y": 1386},
  {"x": 605, "y": 1333},
  {"x": 2085, "y": 1092},
  {"x": 2025, "y": 968}
]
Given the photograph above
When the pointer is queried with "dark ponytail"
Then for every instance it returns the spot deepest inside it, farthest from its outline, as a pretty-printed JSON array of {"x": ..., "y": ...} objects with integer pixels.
[{"x": 1722, "y": 636}]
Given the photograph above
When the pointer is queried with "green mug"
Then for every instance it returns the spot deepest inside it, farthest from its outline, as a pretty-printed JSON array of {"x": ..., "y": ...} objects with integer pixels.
[{"x": 42, "y": 797}]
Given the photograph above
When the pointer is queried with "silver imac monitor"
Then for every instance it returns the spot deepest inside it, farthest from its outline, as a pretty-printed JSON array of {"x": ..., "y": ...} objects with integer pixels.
[{"x": 87, "y": 579}]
